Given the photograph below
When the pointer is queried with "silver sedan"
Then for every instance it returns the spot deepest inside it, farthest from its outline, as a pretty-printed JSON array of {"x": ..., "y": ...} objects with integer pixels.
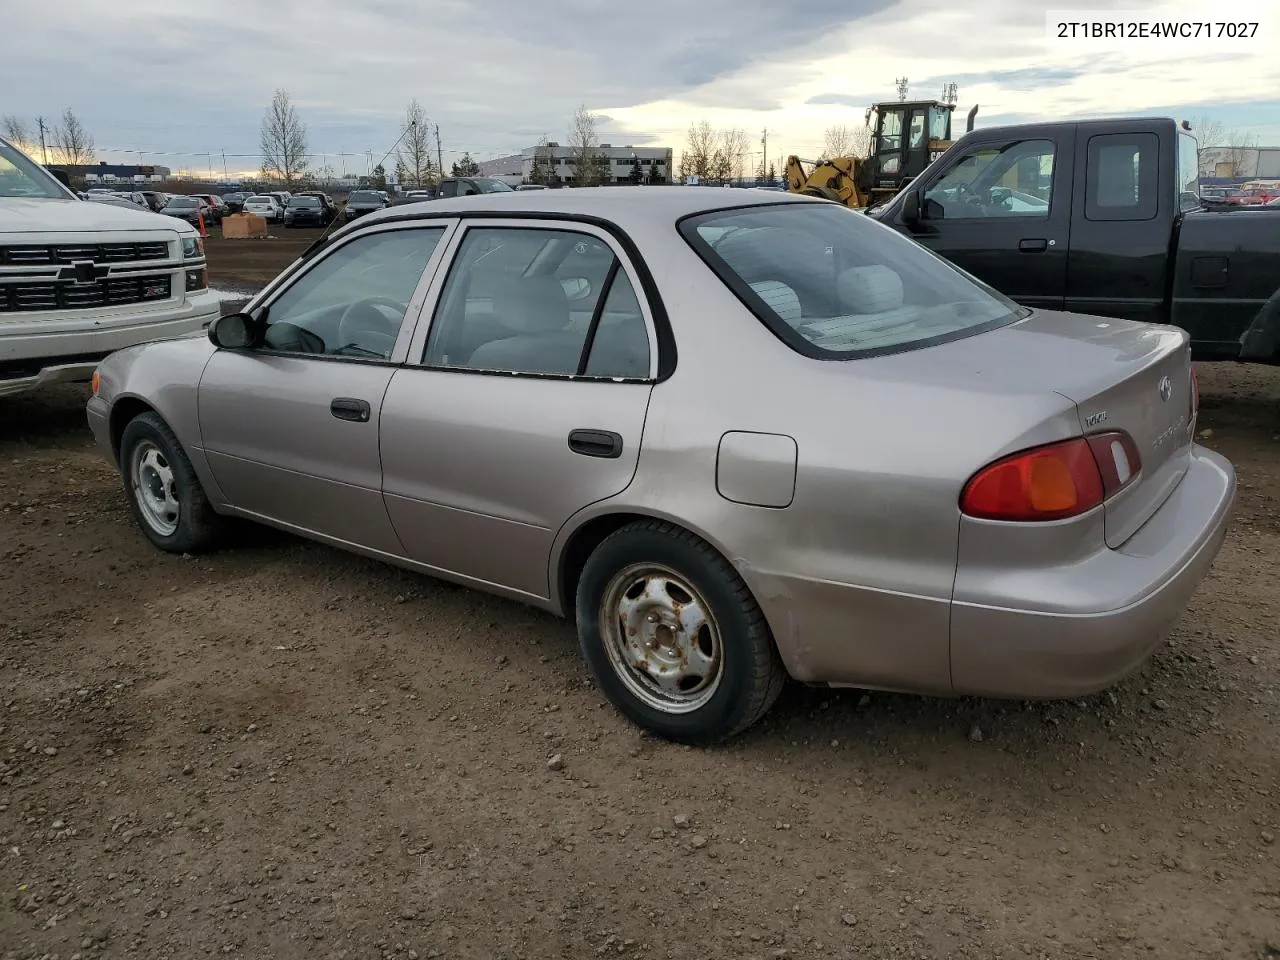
[{"x": 734, "y": 436}]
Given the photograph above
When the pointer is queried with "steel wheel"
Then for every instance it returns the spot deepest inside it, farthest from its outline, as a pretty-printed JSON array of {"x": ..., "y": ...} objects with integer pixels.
[
  {"x": 661, "y": 638},
  {"x": 155, "y": 488}
]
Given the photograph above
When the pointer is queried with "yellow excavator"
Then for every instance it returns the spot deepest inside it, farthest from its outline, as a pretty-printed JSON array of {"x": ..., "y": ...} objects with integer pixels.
[{"x": 905, "y": 138}]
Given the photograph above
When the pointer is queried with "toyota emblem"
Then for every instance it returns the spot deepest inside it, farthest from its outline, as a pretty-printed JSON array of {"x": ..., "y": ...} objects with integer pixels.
[{"x": 1166, "y": 388}]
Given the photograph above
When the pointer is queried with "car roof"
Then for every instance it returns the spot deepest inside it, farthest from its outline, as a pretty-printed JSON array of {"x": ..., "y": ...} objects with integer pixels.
[{"x": 625, "y": 206}]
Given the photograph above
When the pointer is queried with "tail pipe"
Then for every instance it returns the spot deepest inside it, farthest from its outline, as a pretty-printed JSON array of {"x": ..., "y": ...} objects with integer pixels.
[{"x": 968, "y": 127}]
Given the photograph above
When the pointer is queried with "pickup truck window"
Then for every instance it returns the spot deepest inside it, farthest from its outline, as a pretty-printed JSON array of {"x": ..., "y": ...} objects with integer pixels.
[
  {"x": 1122, "y": 179},
  {"x": 1188, "y": 172},
  {"x": 19, "y": 177},
  {"x": 995, "y": 181}
]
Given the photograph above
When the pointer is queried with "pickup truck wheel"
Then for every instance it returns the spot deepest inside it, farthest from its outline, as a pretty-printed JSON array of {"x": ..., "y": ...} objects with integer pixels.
[
  {"x": 673, "y": 637},
  {"x": 164, "y": 493}
]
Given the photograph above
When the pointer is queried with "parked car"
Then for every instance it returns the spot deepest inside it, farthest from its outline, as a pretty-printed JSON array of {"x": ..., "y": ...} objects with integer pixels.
[
  {"x": 469, "y": 186},
  {"x": 1018, "y": 509},
  {"x": 217, "y": 207},
  {"x": 307, "y": 211},
  {"x": 80, "y": 279},
  {"x": 325, "y": 200},
  {"x": 1121, "y": 233},
  {"x": 235, "y": 200},
  {"x": 282, "y": 198},
  {"x": 266, "y": 206},
  {"x": 361, "y": 202},
  {"x": 114, "y": 199},
  {"x": 190, "y": 209},
  {"x": 154, "y": 199}
]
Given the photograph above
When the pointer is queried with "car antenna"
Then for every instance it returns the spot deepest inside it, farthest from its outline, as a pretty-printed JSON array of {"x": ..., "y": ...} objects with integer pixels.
[{"x": 319, "y": 241}]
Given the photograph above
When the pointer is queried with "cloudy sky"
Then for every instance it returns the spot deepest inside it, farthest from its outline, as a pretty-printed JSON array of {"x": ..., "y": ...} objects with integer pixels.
[{"x": 185, "y": 82}]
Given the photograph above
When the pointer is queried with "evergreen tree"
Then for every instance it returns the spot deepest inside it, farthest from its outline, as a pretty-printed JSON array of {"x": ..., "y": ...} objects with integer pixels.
[
  {"x": 466, "y": 167},
  {"x": 637, "y": 175}
]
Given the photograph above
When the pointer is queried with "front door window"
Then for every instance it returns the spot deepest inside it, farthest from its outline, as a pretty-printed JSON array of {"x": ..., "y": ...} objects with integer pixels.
[{"x": 353, "y": 302}]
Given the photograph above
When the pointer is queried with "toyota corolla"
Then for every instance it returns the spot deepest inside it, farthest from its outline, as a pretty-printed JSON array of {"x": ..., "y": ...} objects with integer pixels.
[{"x": 734, "y": 436}]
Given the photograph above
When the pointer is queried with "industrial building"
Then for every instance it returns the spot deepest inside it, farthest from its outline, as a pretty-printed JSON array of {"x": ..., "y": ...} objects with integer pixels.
[{"x": 558, "y": 158}]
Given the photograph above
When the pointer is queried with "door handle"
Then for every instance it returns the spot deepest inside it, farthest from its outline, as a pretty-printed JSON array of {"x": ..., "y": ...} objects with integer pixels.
[
  {"x": 1033, "y": 246},
  {"x": 596, "y": 443},
  {"x": 348, "y": 408}
]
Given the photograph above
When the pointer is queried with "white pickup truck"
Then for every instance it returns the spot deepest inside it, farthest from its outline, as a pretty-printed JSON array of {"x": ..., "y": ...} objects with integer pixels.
[{"x": 79, "y": 280}]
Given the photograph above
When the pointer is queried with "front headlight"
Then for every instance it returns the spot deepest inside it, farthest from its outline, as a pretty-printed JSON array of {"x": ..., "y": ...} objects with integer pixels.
[{"x": 192, "y": 248}]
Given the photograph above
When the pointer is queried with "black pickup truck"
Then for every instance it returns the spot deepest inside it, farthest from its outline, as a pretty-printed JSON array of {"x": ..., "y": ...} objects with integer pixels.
[{"x": 1102, "y": 217}]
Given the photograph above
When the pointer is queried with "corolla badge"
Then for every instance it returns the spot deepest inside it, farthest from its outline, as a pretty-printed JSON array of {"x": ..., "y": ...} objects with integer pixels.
[{"x": 1166, "y": 388}]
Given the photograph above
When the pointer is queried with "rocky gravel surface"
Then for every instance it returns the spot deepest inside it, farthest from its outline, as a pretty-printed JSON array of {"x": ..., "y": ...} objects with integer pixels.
[{"x": 282, "y": 751}]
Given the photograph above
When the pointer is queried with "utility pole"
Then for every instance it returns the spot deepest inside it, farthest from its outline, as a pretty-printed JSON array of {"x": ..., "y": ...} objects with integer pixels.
[
  {"x": 439, "y": 152},
  {"x": 764, "y": 145},
  {"x": 901, "y": 83},
  {"x": 44, "y": 150},
  {"x": 225, "y": 176}
]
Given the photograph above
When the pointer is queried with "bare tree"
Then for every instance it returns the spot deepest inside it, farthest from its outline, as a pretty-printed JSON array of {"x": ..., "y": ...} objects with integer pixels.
[
  {"x": 283, "y": 142},
  {"x": 18, "y": 132},
  {"x": 699, "y": 150},
  {"x": 72, "y": 141},
  {"x": 1239, "y": 147},
  {"x": 414, "y": 153},
  {"x": 584, "y": 144},
  {"x": 1211, "y": 135},
  {"x": 841, "y": 140},
  {"x": 731, "y": 153}
]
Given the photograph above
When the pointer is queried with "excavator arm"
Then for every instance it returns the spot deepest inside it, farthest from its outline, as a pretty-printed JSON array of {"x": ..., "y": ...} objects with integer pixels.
[{"x": 834, "y": 179}]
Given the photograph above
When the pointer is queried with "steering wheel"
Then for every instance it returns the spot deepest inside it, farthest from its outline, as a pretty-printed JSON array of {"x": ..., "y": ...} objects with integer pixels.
[
  {"x": 365, "y": 330},
  {"x": 971, "y": 200}
]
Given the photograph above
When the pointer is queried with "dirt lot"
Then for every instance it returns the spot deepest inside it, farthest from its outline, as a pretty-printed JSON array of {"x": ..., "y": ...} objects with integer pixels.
[
  {"x": 283, "y": 751},
  {"x": 244, "y": 266}
]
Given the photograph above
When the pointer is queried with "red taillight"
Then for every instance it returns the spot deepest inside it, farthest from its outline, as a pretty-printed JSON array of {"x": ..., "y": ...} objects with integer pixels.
[{"x": 1052, "y": 482}]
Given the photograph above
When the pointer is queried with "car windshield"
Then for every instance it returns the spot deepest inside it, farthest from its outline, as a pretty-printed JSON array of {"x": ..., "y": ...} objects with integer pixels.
[
  {"x": 183, "y": 202},
  {"x": 833, "y": 283},
  {"x": 365, "y": 196},
  {"x": 21, "y": 177},
  {"x": 494, "y": 186},
  {"x": 304, "y": 202}
]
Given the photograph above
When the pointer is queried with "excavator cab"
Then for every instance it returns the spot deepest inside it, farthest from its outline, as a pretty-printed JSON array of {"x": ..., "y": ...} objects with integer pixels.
[{"x": 905, "y": 138}]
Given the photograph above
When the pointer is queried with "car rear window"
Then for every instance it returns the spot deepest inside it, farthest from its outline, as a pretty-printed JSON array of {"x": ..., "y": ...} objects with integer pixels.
[
  {"x": 365, "y": 197},
  {"x": 304, "y": 202},
  {"x": 833, "y": 283}
]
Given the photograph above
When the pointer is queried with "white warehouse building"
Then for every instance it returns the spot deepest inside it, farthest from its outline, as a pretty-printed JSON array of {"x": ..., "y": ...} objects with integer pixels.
[{"x": 518, "y": 167}]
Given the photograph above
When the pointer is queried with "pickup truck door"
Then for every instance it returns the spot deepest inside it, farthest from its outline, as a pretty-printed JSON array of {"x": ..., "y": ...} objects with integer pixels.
[{"x": 1001, "y": 210}]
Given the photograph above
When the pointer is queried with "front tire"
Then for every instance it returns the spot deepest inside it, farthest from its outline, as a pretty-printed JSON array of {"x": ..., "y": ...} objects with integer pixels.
[
  {"x": 164, "y": 493},
  {"x": 673, "y": 637}
]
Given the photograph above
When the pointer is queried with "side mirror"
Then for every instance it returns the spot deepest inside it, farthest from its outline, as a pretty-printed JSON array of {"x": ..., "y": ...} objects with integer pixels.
[
  {"x": 911, "y": 207},
  {"x": 576, "y": 288},
  {"x": 236, "y": 331}
]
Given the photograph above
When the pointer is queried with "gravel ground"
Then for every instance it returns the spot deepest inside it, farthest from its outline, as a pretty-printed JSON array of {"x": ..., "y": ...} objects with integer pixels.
[{"x": 284, "y": 751}]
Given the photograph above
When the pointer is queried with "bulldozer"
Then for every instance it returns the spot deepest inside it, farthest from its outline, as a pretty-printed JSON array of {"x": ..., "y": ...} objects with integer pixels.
[{"x": 906, "y": 136}]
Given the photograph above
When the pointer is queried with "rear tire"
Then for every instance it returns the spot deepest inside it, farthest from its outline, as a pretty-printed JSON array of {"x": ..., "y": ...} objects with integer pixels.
[
  {"x": 673, "y": 637},
  {"x": 164, "y": 493}
]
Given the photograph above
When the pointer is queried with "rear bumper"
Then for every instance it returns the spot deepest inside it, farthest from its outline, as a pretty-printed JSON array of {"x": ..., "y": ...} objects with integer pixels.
[{"x": 1025, "y": 640}]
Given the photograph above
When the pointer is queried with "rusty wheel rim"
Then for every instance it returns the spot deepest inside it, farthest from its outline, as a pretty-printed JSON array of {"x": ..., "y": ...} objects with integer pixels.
[{"x": 662, "y": 638}]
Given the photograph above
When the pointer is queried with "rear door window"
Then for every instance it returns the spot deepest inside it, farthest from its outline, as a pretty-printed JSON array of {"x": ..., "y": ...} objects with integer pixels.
[{"x": 1122, "y": 180}]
